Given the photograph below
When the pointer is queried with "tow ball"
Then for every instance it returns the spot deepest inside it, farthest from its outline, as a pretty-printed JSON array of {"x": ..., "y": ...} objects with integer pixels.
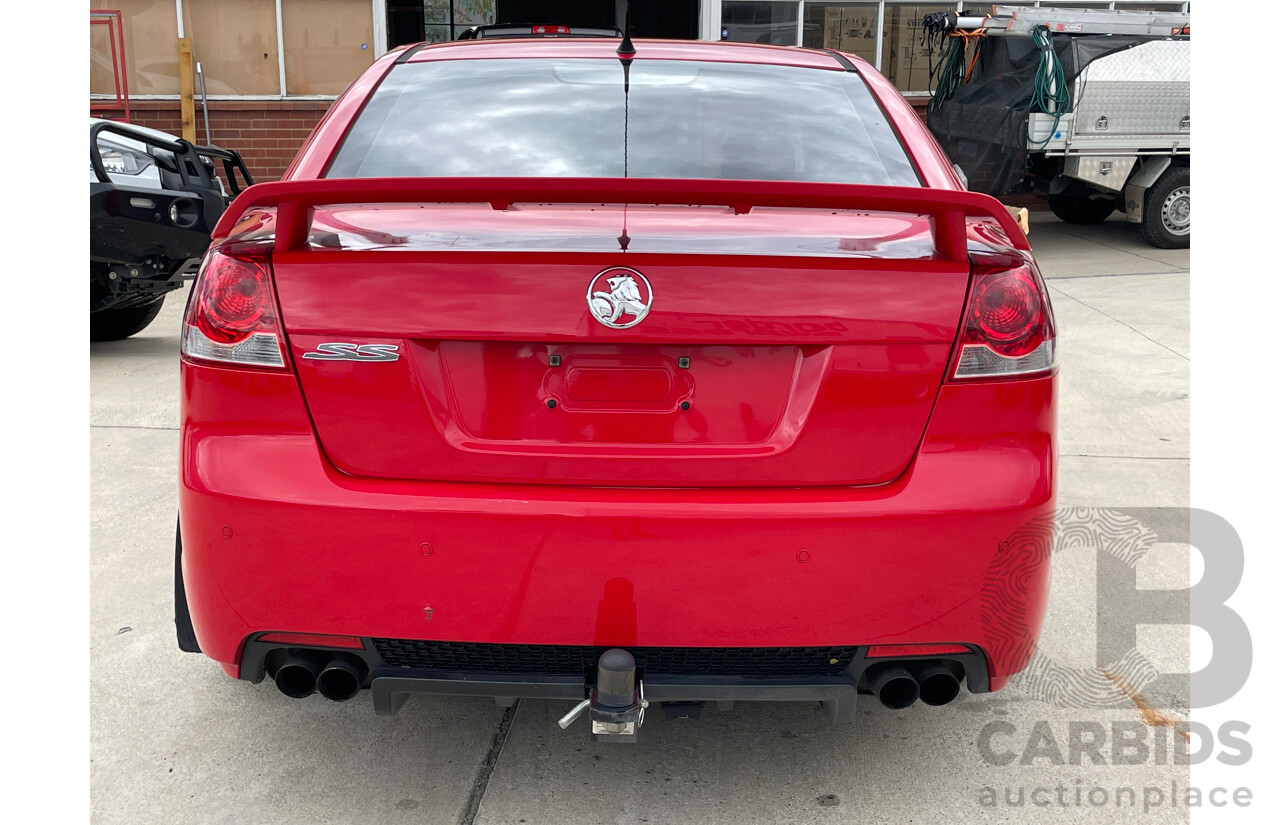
[{"x": 617, "y": 700}]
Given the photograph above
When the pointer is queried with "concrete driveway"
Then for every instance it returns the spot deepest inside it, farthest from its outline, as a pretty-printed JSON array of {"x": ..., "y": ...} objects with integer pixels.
[{"x": 174, "y": 740}]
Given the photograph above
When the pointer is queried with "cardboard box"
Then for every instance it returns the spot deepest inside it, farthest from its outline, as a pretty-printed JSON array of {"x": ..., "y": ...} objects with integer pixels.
[
  {"x": 850, "y": 29},
  {"x": 907, "y": 60}
]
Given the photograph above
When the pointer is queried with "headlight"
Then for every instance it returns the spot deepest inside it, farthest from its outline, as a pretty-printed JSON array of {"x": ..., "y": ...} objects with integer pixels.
[{"x": 122, "y": 160}]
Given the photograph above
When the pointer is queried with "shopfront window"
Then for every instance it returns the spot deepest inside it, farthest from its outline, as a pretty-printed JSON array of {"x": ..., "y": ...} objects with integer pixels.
[
  {"x": 894, "y": 43},
  {"x": 750, "y": 22},
  {"x": 908, "y": 55},
  {"x": 846, "y": 27},
  {"x": 468, "y": 13},
  {"x": 275, "y": 48},
  {"x": 436, "y": 19}
]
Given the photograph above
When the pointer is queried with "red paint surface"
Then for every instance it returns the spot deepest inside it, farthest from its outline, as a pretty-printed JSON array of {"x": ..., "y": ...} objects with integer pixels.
[
  {"x": 317, "y": 551},
  {"x": 827, "y": 486}
]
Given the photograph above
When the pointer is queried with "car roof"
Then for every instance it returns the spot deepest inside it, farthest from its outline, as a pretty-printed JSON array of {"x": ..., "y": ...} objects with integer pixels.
[{"x": 592, "y": 47}]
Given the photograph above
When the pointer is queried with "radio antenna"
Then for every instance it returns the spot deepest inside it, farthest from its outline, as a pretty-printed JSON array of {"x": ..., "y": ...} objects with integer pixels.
[{"x": 626, "y": 50}]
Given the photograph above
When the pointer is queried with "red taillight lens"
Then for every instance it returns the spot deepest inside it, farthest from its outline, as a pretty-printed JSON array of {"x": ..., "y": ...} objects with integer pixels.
[
  {"x": 231, "y": 313},
  {"x": 1008, "y": 325},
  {"x": 235, "y": 301},
  {"x": 1008, "y": 311}
]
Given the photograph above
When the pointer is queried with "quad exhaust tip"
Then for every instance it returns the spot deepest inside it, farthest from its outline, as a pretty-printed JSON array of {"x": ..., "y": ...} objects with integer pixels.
[
  {"x": 894, "y": 686},
  {"x": 898, "y": 686},
  {"x": 341, "y": 678},
  {"x": 338, "y": 678},
  {"x": 938, "y": 683},
  {"x": 296, "y": 677}
]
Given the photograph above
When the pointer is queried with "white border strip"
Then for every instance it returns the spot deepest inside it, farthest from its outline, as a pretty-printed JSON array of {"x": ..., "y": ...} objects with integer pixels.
[{"x": 280, "y": 45}]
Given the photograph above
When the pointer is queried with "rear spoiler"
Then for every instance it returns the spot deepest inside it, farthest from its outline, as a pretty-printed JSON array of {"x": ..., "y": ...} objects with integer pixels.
[{"x": 294, "y": 200}]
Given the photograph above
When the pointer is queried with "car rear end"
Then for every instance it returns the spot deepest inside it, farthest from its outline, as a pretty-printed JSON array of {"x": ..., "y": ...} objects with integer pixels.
[{"x": 763, "y": 404}]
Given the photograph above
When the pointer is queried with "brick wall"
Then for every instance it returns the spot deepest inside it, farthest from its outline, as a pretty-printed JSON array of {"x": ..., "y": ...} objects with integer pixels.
[{"x": 266, "y": 133}]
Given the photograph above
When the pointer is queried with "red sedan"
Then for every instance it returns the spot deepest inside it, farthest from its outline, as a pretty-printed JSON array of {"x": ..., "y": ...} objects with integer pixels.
[{"x": 619, "y": 374}]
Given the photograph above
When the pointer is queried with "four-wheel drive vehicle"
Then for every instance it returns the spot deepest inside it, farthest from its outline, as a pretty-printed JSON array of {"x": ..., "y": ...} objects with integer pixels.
[
  {"x": 153, "y": 199},
  {"x": 694, "y": 376}
]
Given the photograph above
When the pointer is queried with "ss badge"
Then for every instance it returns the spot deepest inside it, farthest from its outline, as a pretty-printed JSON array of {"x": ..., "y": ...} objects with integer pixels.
[{"x": 354, "y": 352}]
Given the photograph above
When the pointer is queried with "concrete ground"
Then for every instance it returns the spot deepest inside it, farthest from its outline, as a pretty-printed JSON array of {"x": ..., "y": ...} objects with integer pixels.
[{"x": 174, "y": 740}]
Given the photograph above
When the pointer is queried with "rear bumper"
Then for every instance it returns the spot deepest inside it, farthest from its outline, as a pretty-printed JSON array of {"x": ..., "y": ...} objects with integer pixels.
[
  {"x": 397, "y": 669},
  {"x": 956, "y": 550}
]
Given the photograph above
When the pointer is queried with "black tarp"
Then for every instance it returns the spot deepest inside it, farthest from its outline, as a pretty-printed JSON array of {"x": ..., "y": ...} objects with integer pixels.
[{"x": 983, "y": 127}]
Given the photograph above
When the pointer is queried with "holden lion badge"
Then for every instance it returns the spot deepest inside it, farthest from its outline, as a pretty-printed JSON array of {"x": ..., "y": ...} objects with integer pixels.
[{"x": 619, "y": 297}]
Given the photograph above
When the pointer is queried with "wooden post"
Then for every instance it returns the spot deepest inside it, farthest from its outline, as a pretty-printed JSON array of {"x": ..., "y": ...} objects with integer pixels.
[{"x": 187, "y": 88}]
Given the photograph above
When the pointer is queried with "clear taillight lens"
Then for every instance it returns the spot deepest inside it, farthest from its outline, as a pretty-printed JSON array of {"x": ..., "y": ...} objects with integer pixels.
[
  {"x": 1008, "y": 325},
  {"x": 231, "y": 316}
]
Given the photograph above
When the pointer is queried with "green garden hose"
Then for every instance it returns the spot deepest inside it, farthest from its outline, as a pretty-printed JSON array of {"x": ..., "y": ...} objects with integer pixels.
[
  {"x": 950, "y": 72},
  {"x": 1050, "y": 93}
]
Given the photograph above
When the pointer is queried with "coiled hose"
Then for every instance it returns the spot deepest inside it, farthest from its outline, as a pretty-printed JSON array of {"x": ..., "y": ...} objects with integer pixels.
[
  {"x": 950, "y": 72},
  {"x": 1050, "y": 93}
]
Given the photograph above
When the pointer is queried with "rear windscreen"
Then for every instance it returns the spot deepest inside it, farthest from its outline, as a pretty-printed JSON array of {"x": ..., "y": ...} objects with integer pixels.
[{"x": 583, "y": 118}]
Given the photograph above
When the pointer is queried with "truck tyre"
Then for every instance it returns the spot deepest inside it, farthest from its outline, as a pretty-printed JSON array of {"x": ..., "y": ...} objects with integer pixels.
[
  {"x": 115, "y": 324},
  {"x": 1081, "y": 210},
  {"x": 1166, "y": 210}
]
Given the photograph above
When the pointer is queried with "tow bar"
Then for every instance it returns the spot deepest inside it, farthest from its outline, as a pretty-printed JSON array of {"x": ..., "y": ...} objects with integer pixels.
[{"x": 617, "y": 700}]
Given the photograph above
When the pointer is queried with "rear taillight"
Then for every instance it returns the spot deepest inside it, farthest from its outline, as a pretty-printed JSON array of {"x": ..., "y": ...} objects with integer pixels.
[
  {"x": 231, "y": 315},
  {"x": 1007, "y": 329}
]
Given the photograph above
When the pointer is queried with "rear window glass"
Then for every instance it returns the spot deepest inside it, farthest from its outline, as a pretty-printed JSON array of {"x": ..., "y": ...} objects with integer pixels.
[{"x": 576, "y": 118}]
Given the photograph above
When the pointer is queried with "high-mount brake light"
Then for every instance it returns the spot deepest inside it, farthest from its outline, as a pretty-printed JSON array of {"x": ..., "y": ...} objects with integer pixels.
[
  {"x": 1008, "y": 328},
  {"x": 231, "y": 316},
  {"x": 550, "y": 29}
]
